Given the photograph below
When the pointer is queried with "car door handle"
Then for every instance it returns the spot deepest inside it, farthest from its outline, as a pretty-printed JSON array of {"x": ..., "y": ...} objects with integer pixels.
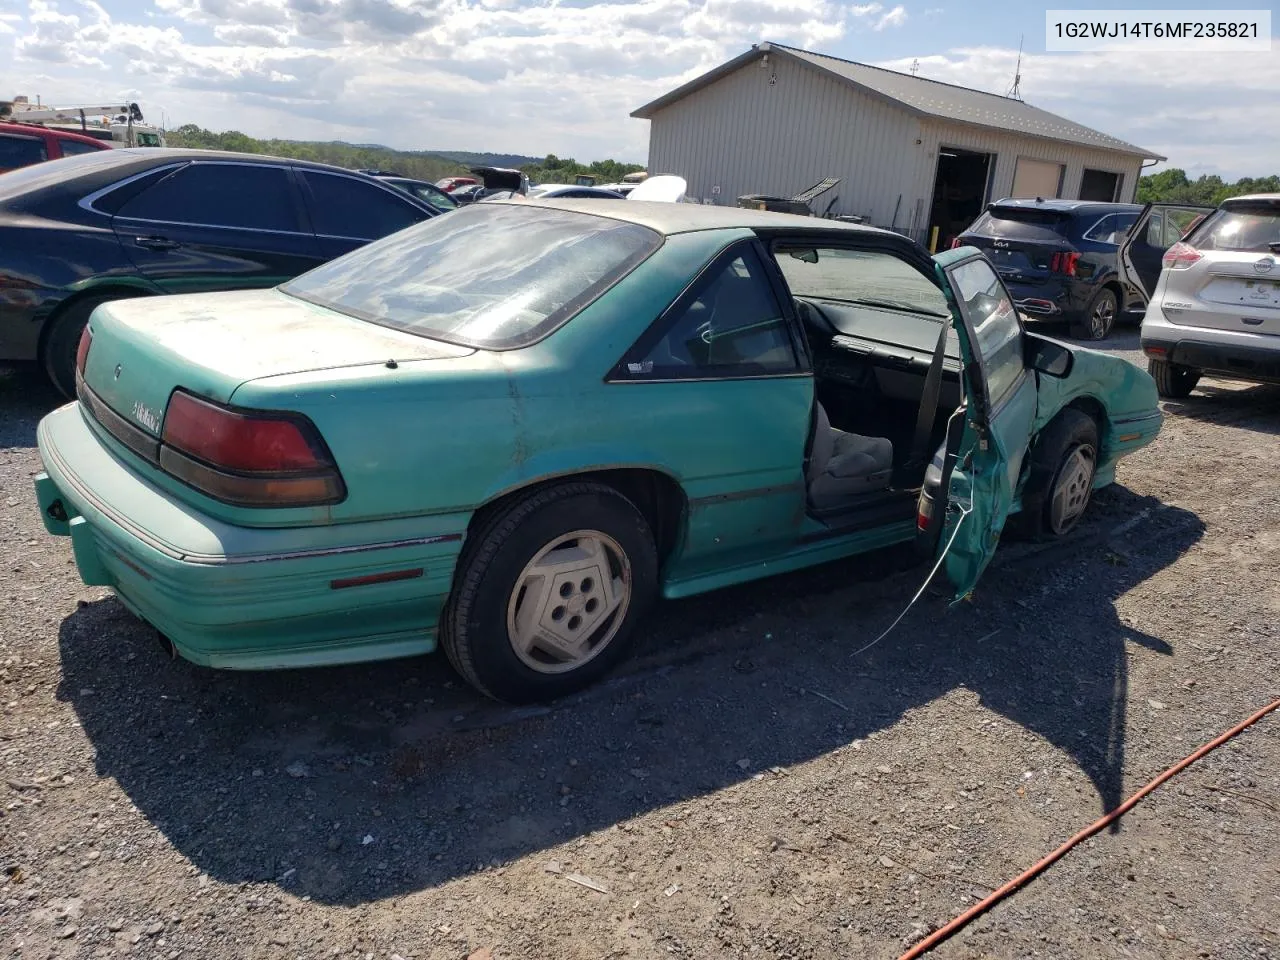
[{"x": 157, "y": 243}]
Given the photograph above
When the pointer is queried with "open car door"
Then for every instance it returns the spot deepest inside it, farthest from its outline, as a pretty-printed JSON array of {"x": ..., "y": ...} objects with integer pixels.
[
  {"x": 987, "y": 448},
  {"x": 1158, "y": 227}
]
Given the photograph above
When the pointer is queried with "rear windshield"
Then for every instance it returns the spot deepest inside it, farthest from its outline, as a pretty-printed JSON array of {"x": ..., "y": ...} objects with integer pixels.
[
  {"x": 1020, "y": 222},
  {"x": 40, "y": 175},
  {"x": 493, "y": 276},
  {"x": 1244, "y": 228}
]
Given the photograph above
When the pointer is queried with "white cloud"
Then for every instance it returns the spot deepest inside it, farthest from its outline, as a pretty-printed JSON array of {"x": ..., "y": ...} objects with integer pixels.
[
  {"x": 894, "y": 18},
  {"x": 250, "y": 35},
  {"x": 540, "y": 76}
]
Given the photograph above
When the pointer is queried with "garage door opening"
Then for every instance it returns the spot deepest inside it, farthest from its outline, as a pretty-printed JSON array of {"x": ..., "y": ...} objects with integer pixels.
[
  {"x": 1100, "y": 186},
  {"x": 959, "y": 193}
]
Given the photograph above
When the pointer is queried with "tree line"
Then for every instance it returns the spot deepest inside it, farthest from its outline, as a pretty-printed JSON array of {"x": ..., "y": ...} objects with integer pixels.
[
  {"x": 1173, "y": 186},
  {"x": 420, "y": 165}
]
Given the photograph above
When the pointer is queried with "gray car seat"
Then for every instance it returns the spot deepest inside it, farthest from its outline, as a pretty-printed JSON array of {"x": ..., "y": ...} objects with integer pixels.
[{"x": 844, "y": 465}]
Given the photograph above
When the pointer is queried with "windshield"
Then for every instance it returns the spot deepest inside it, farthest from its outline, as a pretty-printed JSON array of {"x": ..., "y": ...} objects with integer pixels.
[
  {"x": 872, "y": 277},
  {"x": 493, "y": 276}
]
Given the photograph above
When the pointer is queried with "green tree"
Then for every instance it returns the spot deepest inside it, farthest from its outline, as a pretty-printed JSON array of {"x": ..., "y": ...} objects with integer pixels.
[{"x": 1173, "y": 186}]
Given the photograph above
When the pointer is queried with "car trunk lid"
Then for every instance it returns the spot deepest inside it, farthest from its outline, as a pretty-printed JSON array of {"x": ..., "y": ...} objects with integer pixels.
[
  {"x": 1226, "y": 274},
  {"x": 209, "y": 344}
]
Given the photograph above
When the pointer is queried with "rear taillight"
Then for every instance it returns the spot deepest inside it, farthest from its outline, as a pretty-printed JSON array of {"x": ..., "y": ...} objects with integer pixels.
[
  {"x": 82, "y": 350},
  {"x": 1064, "y": 263},
  {"x": 1180, "y": 256},
  {"x": 253, "y": 458}
]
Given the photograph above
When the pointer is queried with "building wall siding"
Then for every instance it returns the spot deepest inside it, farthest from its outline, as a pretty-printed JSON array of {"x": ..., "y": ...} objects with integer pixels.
[{"x": 744, "y": 134}]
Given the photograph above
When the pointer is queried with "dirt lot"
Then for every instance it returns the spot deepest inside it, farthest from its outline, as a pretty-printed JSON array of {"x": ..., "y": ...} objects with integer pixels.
[{"x": 746, "y": 789}]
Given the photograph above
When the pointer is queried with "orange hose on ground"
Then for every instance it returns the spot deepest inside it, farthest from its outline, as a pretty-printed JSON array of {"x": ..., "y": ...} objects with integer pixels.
[{"x": 964, "y": 919}]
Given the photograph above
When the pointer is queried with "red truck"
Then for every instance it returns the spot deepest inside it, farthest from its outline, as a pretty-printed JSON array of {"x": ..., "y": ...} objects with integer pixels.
[{"x": 22, "y": 144}]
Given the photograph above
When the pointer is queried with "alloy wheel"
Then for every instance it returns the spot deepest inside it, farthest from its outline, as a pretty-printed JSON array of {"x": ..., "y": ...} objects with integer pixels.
[{"x": 1102, "y": 317}]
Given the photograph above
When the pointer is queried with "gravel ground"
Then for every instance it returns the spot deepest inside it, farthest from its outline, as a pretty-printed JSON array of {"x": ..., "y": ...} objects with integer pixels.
[{"x": 745, "y": 788}]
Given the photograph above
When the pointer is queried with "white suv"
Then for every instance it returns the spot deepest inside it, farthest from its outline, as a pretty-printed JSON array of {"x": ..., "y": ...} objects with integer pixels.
[{"x": 1215, "y": 307}]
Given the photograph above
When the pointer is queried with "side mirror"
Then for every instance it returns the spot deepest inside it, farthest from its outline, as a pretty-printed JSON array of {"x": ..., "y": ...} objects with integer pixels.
[{"x": 1049, "y": 357}]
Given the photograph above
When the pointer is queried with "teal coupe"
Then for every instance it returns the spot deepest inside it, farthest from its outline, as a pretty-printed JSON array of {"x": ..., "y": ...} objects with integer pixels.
[{"x": 508, "y": 429}]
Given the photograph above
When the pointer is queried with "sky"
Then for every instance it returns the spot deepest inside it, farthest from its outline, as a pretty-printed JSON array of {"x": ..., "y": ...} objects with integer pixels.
[{"x": 562, "y": 76}]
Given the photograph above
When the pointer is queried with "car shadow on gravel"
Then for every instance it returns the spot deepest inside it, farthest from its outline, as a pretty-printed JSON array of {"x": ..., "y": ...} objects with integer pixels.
[
  {"x": 1253, "y": 407},
  {"x": 360, "y": 783},
  {"x": 26, "y": 395}
]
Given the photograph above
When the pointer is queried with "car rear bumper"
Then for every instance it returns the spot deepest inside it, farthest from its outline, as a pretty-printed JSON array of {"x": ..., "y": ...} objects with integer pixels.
[
  {"x": 1235, "y": 354},
  {"x": 300, "y": 597},
  {"x": 1054, "y": 299}
]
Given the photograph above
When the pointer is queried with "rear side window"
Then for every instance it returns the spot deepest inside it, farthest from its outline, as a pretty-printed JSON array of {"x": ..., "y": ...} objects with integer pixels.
[
  {"x": 347, "y": 207},
  {"x": 732, "y": 327},
  {"x": 1111, "y": 228},
  {"x": 1243, "y": 229},
  {"x": 248, "y": 196},
  {"x": 1020, "y": 223},
  {"x": 72, "y": 148},
  {"x": 18, "y": 151}
]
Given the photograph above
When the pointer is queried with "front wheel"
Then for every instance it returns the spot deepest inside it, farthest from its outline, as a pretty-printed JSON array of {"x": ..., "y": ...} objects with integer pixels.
[
  {"x": 1099, "y": 317},
  {"x": 1063, "y": 465},
  {"x": 1173, "y": 381},
  {"x": 548, "y": 593}
]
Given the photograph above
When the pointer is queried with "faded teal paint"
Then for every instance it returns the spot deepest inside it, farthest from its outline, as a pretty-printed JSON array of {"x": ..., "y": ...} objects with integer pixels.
[{"x": 427, "y": 440}]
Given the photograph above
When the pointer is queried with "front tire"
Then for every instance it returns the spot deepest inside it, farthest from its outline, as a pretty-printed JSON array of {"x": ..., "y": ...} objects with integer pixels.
[
  {"x": 548, "y": 592},
  {"x": 1063, "y": 465},
  {"x": 1173, "y": 381},
  {"x": 1099, "y": 317}
]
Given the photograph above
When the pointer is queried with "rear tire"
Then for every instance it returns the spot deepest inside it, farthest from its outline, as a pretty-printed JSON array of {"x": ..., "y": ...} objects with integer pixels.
[
  {"x": 1063, "y": 464},
  {"x": 1099, "y": 317},
  {"x": 573, "y": 564},
  {"x": 1173, "y": 381},
  {"x": 63, "y": 339}
]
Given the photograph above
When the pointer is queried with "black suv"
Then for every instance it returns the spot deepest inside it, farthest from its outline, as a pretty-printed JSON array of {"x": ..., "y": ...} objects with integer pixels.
[
  {"x": 79, "y": 231},
  {"x": 1059, "y": 259}
]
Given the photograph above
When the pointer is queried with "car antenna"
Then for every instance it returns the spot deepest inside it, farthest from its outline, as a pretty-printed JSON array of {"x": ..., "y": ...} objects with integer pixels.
[{"x": 1015, "y": 91}]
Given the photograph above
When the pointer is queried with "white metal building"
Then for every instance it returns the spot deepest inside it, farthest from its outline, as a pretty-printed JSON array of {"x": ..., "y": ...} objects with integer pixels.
[{"x": 912, "y": 154}]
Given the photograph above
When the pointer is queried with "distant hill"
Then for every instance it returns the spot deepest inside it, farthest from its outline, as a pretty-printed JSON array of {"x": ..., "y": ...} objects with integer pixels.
[{"x": 419, "y": 164}]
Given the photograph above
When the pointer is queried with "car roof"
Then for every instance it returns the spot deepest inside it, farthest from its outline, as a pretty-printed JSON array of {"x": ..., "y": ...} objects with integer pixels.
[
  {"x": 1068, "y": 206},
  {"x": 170, "y": 154},
  {"x": 1254, "y": 197},
  {"x": 673, "y": 218},
  {"x": 29, "y": 128}
]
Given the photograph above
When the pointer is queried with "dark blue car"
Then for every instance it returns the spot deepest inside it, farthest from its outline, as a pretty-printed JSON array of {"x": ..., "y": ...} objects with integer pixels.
[{"x": 1059, "y": 259}]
